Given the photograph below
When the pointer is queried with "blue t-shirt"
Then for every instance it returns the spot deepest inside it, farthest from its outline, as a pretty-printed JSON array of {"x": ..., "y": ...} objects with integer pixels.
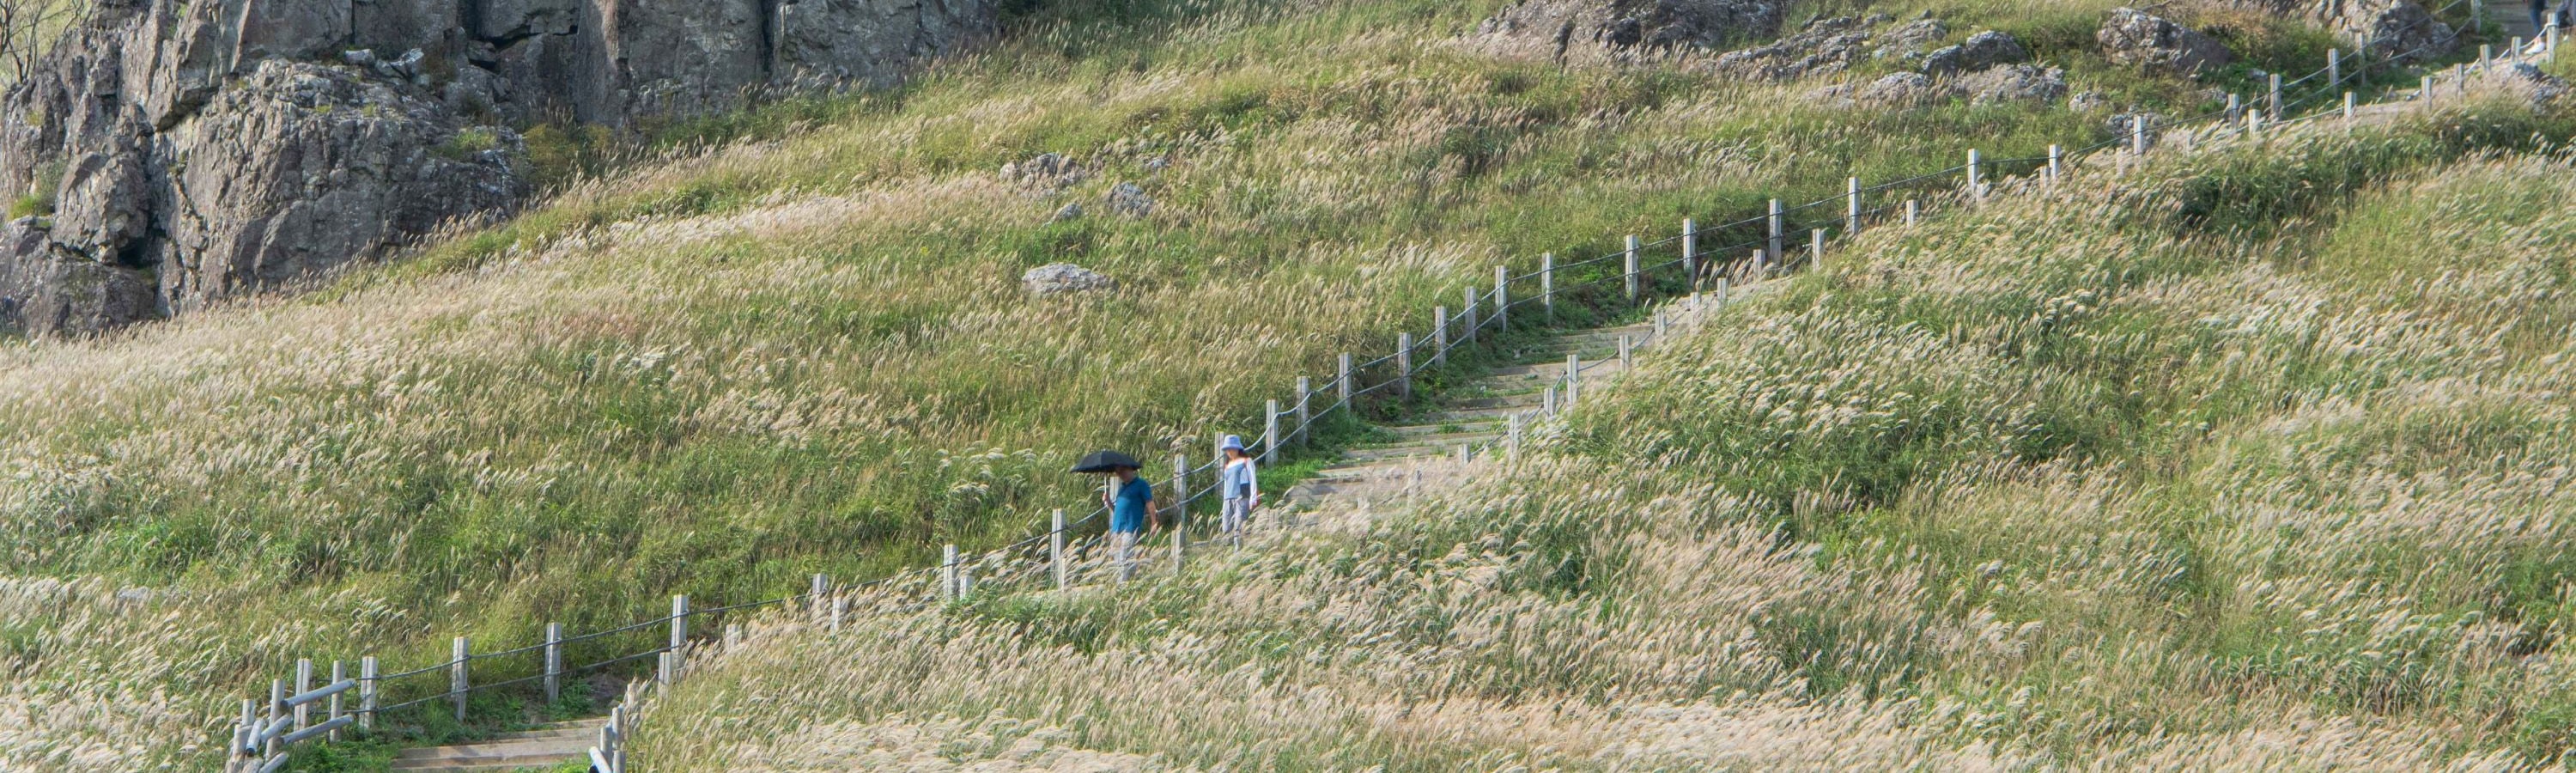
[{"x": 1127, "y": 516}]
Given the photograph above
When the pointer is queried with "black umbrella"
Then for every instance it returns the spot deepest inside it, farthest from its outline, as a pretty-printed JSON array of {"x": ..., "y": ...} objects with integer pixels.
[{"x": 1107, "y": 461}]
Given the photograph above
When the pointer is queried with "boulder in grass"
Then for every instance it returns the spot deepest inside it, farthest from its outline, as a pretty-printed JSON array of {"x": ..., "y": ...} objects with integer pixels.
[
  {"x": 1063, "y": 278},
  {"x": 1904, "y": 89},
  {"x": 1129, "y": 199},
  {"x": 2014, "y": 83},
  {"x": 1635, "y": 24},
  {"x": 1982, "y": 51},
  {"x": 2157, "y": 45}
]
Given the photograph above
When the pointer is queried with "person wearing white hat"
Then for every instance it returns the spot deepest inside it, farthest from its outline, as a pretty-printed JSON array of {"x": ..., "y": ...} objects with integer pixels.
[{"x": 1240, "y": 484}]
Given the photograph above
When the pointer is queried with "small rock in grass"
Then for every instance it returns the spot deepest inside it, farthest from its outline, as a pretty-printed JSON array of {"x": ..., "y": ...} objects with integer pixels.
[{"x": 1061, "y": 278}]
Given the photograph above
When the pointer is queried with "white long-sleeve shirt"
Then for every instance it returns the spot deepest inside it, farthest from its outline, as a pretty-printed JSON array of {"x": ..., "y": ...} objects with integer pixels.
[{"x": 1239, "y": 481}]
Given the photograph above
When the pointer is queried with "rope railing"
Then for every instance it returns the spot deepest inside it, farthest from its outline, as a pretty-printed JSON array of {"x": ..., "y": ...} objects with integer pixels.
[{"x": 1056, "y": 555}]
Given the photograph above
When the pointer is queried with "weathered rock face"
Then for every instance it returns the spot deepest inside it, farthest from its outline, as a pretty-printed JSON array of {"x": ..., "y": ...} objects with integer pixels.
[
  {"x": 1823, "y": 47},
  {"x": 2150, "y": 42},
  {"x": 200, "y": 149},
  {"x": 1637, "y": 23}
]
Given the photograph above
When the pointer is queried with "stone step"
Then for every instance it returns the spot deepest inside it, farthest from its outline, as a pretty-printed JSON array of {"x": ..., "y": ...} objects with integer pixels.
[
  {"x": 519, "y": 749},
  {"x": 490, "y": 757},
  {"x": 1528, "y": 399},
  {"x": 1418, "y": 451}
]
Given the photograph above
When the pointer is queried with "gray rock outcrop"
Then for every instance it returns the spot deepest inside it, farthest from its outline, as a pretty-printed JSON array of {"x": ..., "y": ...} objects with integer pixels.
[
  {"x": 1635, "y": 24},
  {"x": 2014, "y": 83},
  {"x": 1981, "y": 51},
  {"x": 1822, "y": 47},
  {"x": 1062, "y": 278},
  {"x": 2386, "y": 29},
  {"x": 2157, "y": 45},
  {"x": 195, "y": 150}
]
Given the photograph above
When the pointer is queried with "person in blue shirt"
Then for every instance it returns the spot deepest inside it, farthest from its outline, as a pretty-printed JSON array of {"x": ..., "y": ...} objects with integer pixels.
[
  {"x": 1131, "y": 510},
  {"x": 1240, "y": 486}
]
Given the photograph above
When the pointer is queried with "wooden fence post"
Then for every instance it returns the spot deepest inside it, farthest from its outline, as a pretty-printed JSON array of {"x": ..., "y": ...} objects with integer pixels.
[
  {"x": 840, "y": 608},
  {"x": 2478, "y": 16},
  {"x": 2426, "y": 90},
  {"x": 554, "y": 662},
  {"x": 1913, "y": 211},
  {"x": 1513, "y": 447},
  {"x": 1721, "y": 292},
  {"x": 1573, "y": 378},
  {"x": 1343, "y": 382},
  {"x": 1180, "y": 540},
  {"x": 1404, "y": 364},
  {"x": 1439, "y": 335},
  {"x": 2138, "y": 137},
  {"x": 457, "y": 682},
  {"x": 1816, "y": 250},
  {"x": 1547, "y": 284},
  {"x": 1851, "y": 206},
  {"x": 303, "y": 684},
  {"x": 2057, "y": 162},
  {"x": 1502, "y": 297},
  {"x": 1270, "y": 435},
  {"x": 1547, "y": 402},
  {"x": 2334, "y": 65},
  {"x": 2486, "y": 56},
  {"x": 820, "y": 587},
  {"x": 1778, "y": 227},
  {"x": 1181, "y": 484},
  {"x": 1631, "y": 276},
  {"x": 1626, "y": 345},
  {"x": 1055, "y": 553},
  {"x": 276, "y": 714},
  {"x": 1469, "y": 293},
  {"x": 679, "y": 639},
  {"x": 339, "y": 671},
  {"x": 1976, "y": 176},
  {"x": 1305, "y": 413},
  {"x": 2272, "y": 100},
  {"x": 367, "y": 693},
  {"x": 948, "y": 573},
  {"x": 2235, "y": 110},
  {"x": 1690, "y": 254},
  {"x": 2348, "y": 106}
]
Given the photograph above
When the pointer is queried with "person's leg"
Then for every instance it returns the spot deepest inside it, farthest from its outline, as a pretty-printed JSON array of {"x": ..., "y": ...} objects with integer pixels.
[{"x": 1121, "y": 544}]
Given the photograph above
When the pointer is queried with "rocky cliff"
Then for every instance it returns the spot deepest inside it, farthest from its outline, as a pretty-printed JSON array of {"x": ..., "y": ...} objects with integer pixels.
[{"x": 190, "y": 151}]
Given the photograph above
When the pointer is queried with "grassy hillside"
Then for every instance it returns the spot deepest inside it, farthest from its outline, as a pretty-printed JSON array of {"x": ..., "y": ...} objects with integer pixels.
[
  {"x": 795, "y": 342},
  {"x": 2256, "y": 461}
]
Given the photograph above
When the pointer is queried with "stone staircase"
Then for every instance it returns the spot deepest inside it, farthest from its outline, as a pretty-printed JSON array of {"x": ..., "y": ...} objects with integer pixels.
[
  {"x": 1424, "y": 452},
  {"x": 543, "y": 747}
]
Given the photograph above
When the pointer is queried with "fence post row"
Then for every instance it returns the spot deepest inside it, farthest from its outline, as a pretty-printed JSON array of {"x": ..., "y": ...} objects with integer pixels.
[
  {"x": 456, "y": 679},
  {"x": 253, "y": 735},
  {"x": 1631, "y": 261}
]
